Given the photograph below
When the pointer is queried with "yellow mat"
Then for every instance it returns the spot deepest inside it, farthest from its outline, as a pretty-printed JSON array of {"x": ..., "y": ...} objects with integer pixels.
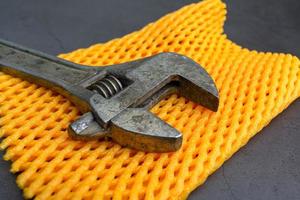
[{"x": 254, "y": 87}]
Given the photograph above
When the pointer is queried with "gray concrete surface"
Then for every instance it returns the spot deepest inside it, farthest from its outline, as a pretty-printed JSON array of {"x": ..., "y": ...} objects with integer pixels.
[{"x": 268, "y": 167}]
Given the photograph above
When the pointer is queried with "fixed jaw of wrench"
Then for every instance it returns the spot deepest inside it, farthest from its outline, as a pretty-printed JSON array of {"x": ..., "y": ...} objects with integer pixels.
[{"x": 116, "y": 99}]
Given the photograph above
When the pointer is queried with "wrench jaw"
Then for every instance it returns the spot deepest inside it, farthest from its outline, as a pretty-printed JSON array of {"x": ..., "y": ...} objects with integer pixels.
[
  {"x": 136, "y": 128},
  {"x": 193, "y": 81},
  {"x": 205, "y": 95},
  {"x": 140, "y": 129}
]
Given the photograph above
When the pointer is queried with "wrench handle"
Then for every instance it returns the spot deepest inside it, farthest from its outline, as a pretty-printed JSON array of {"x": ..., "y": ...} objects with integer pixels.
[{"x": 40, "y": 68}]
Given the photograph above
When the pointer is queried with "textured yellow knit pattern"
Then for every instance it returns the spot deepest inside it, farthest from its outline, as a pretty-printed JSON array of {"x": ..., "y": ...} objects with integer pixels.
[{"x": 254, "y": 87}]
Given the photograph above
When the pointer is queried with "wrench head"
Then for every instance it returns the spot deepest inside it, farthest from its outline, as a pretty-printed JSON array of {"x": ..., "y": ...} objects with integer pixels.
[{"x": 125, "y": 117}]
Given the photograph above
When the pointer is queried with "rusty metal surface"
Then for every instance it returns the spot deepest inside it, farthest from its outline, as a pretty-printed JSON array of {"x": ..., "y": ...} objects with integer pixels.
[{"x": 116, "y": 99}]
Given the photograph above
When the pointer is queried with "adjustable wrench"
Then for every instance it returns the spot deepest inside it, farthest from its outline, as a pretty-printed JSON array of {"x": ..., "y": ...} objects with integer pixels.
[{"x": 115, "y": 99}]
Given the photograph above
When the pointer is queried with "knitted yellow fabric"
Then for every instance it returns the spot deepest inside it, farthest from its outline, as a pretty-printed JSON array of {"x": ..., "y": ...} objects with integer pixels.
[{"x": 254, "y": 87}]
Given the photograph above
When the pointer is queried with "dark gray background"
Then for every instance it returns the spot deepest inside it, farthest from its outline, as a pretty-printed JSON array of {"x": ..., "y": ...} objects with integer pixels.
[{"x": 268, "y": 167}]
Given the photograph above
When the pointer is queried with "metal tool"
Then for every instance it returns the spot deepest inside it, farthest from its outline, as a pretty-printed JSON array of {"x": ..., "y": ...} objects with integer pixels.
[{"x": 116, "y": 98}]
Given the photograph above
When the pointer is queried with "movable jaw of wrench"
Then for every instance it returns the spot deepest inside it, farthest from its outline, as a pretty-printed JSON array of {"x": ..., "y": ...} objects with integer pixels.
[{"x": 116, "y": 99}]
